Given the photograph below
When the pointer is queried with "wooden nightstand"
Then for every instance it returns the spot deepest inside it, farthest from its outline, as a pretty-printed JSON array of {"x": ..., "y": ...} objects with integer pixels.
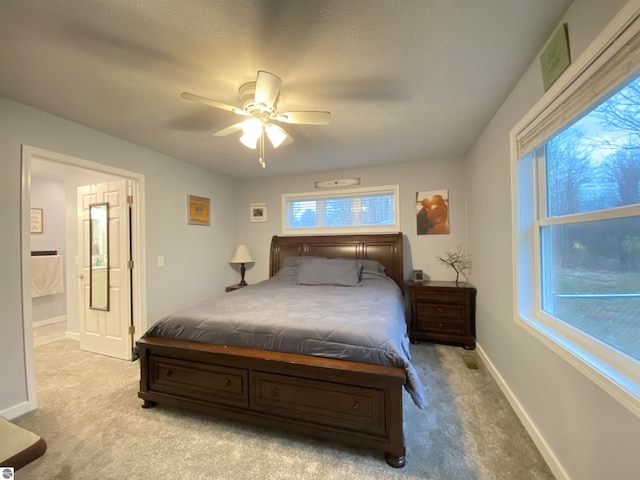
[
  {"x": 231, "y": 288},
  {"x": 443, "y": 312}
]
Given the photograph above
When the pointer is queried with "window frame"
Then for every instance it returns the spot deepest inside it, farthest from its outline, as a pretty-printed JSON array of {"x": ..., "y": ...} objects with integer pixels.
[
  {"x": 605, "y": 64},
  {"x": 354, "y": 229}
]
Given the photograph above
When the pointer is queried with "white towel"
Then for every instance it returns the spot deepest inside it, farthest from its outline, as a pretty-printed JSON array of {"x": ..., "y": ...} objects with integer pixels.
[{"x": 46, "y": 275}]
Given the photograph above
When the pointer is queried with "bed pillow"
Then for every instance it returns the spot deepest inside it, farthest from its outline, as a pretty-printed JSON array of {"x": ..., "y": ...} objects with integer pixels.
[
  {"x": 368, "y": 274},
  {"x": 289, "y": 272},
  {"x": 371, "y": 266},
  {"x": 294, "y": 261},
  {"x": 339, "y": 272}
]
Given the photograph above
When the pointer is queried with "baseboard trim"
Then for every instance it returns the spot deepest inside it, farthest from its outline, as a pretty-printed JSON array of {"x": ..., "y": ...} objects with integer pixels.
[
  {"x": 532, "y": 430},
  {"x": 72, "y": 336},
  {"x": 17, "y": 410},
  {"x": 50, "y": 321}
]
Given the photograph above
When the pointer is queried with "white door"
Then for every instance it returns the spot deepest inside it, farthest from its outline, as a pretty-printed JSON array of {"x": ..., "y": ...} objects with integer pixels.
[{"x": 108, "y": 332}]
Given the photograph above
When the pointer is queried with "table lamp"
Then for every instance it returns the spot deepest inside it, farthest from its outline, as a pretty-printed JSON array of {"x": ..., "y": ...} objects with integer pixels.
[{"x": 241, "y": 256}]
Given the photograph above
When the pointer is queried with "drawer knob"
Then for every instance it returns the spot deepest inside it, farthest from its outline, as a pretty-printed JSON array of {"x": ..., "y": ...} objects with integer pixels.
[
  {"x": 439, "y": 310},
  {"x": 169, "y": 373},
  {"x": 440, "y": 325},
  {"x": 227, "y": 383},
  {"x": 275, "y": 392},
  {"x": 356, "y": 405}
]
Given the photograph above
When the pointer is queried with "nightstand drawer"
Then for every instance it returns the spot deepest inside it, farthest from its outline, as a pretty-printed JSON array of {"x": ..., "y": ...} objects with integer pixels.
[
  {"x": 441, "y": 311},
  {"x": 440, "y": 296},
  {"x": 435, "y": 325}
]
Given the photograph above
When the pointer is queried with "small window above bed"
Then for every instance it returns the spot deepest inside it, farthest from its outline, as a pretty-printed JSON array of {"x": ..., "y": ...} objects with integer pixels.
[{"x": 357, "y": 210}]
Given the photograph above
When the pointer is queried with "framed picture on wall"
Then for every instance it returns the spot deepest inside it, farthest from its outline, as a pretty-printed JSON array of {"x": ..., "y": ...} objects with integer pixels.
[
  {"x": 258, "y": 212},
  {"x": 432, "y": 212},
  {"x": 197, "y": 210},
  {"x": 37, "y": 220}
]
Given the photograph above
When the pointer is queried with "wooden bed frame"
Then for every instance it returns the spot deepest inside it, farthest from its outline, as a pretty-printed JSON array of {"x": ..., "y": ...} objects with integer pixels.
[{"x": 350, "y": 402}]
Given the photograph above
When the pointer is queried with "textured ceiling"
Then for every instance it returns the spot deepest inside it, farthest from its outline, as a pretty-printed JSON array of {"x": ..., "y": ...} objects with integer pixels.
[{"x": 405, "y": 80}]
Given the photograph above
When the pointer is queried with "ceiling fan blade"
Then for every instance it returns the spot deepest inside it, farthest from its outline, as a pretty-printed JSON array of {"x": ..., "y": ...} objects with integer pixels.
[
  {"x": 236, "y": 127},
  {"x": 212, "y": 103},
  {"x": 267, "y": 89},
  {"x": 305, "y": 118}
]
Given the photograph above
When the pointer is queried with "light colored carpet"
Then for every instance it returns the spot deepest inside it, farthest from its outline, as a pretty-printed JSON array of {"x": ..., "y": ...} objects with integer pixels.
[
  {"x": 90, "y": 416},
  {"x": 49, "y": 333}
]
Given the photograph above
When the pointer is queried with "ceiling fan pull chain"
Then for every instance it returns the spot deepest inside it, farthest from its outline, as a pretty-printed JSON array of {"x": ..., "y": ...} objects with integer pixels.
[{"x": 264, "y": 165}]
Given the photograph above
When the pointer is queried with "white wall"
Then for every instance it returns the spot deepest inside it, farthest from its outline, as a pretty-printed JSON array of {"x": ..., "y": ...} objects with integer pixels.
[
  {"x": 588, "y": 435},
  {"x": 196, "y": 257},
  {"x": 419, "y": 250}
]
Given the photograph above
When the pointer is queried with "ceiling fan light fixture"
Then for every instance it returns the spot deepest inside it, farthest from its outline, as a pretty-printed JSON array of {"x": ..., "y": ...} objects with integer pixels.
[
  {"x": 276, "y": 134},
  {"x": 260, "y": 106},
  {"x": 249, "y": 141},
  {"x": 252, "y": 130},
  {"x": 252, "y": 127}
]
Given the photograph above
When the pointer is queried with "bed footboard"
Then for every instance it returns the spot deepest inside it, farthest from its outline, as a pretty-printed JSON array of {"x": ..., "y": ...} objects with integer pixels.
[{"x": 349, "y": 402}]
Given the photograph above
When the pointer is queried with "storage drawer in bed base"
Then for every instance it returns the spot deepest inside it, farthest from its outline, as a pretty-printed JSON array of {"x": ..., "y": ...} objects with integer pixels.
[
  {"x": 199, "y": 381},
  {"x": 346, "y": 407}
]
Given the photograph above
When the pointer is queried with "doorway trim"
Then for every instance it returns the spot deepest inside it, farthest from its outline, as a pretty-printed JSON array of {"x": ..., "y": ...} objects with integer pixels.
[{"x": 138, "y": 283}]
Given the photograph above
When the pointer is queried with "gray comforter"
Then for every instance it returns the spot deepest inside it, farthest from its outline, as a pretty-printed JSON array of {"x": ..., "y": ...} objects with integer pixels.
[{"x": 365, "y": 323}]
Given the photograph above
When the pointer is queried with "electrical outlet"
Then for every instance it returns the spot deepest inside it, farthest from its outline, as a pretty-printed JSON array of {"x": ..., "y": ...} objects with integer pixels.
[{"x": 161, "y": 261}]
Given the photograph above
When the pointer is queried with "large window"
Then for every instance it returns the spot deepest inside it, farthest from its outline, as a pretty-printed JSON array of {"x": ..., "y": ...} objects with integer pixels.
[
  {"x": 373, "y": 209},
  {"x": 577, "y": 221},
  {"x": 590, "y": 222}
]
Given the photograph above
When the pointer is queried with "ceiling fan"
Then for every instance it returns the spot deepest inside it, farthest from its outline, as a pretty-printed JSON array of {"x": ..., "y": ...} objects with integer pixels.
[{"x": 260, "y": 106}]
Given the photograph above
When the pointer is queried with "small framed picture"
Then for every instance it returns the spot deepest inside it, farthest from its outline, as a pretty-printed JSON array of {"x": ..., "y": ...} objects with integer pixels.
[
  {"x": 197, "y": 210},
  {"x": 258, "y": 212},
  {"x": 36, "y": 221},
  {"x": 417, "y": 275}
]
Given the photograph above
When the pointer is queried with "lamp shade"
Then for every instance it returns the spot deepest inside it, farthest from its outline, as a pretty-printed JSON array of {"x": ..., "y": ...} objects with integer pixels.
[
  {"x": 249, "y": 141},
  {"x": 241, "y": 255},
  {"x": 252, "y": 127},
  {"x": 276, "y": 134}
]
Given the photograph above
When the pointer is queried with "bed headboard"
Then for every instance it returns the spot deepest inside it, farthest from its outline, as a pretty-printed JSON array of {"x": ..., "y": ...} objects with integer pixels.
[{"x": 384, "y": 248}]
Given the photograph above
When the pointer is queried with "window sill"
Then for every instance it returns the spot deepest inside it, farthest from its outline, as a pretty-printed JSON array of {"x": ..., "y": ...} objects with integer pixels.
[{"x": 578, "y": 350}]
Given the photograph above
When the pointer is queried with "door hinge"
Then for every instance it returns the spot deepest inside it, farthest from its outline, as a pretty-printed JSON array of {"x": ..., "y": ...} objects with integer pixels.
[
  {"x": 130, "y": 199},
  {"x": 132, "y": 329},
  {"x": 130, "y": 264}
]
